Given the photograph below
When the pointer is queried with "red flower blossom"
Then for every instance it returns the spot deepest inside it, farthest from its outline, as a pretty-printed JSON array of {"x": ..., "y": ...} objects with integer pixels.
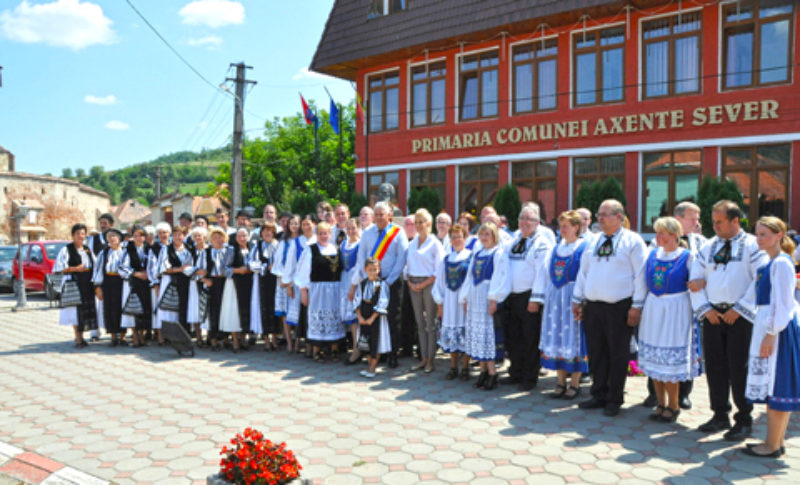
[{"x": 254, "y": 460}]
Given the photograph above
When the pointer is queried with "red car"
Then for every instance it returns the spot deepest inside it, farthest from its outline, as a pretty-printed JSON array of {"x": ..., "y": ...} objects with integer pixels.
[{"x": 38, "y": 259}]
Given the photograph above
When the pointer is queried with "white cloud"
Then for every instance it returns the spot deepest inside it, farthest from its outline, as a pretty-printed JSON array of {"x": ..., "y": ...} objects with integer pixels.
[
  {"x": 101, "y": 100},
  {"x": 61, "y": 23},
  {"x": 212, "y": 13},
  {"x": 304, "y": 73},
  {"x": 117, "y": 125},
  {"x": 209, "y": 41}
]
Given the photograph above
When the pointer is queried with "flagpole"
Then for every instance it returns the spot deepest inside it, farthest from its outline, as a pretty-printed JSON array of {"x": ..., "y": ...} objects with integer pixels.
[{"x": 341, "y": 134}]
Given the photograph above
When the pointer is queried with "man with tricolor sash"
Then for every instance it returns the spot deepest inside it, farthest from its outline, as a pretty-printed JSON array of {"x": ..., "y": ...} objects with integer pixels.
[{"x": 388, "y": 243}]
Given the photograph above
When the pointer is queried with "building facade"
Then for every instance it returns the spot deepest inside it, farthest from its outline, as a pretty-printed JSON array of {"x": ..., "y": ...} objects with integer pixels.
[{"x": 467, "y": 96}]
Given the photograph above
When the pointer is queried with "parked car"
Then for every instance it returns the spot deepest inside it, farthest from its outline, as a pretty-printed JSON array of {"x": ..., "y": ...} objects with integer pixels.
[
  {"x": 38, "y": 259},
  {"x": 7, "y": 254}
]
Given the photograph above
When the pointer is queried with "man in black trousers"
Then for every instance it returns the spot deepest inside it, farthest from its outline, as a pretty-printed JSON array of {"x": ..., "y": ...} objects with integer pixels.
[
  {"x": 603, "y": 299},
  {"x": 722, "y": 276}
]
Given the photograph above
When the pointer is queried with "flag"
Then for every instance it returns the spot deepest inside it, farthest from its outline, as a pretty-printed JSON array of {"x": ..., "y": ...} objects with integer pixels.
[
  {"x": 359, "y": 108},
  {"x": 333, "y": 118},
  {"x": 308, "y": 114}
]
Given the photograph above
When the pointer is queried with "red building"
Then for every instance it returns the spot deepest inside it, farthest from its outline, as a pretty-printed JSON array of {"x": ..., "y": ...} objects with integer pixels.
[{"x": 465, "y": 96}]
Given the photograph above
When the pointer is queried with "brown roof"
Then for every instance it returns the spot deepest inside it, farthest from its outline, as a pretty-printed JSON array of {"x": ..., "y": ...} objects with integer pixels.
[
  {"x": 131, "y": 211},
  {"x": 350, "y": 39}
]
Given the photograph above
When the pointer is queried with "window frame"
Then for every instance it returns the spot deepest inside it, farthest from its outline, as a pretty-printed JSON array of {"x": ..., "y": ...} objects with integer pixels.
[
  {"x": 598, "y": 50},
  {"x": 745, "y": 25},
  {"x": 671, "y": 173},
  {"x": 428, "y": 82},
  {"x": 535, "y": 62},
  {"x": 428, "y": 183},
  {"x": 598, "y": 175},
  {"x": 383, "y": 176},
  {"x": 477, "y": 72},
  {"x": 383, "y": 88},
  {"x": 671, "y": 39},
  {"x": 534, "y": 181},
  {"x": 386, "y": 8},
  {"x": 477, "y": 185},
  {"x": 752, "y": 172}
]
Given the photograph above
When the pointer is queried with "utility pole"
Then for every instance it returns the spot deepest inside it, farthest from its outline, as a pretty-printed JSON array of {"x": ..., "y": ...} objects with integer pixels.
[
  {"x": 238, "y": 132},
  {"x": 158, "y": 182}
]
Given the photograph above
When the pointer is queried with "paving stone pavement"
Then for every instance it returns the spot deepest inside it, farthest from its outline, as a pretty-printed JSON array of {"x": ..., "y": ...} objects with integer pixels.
[{"x": 145, "y": 416}]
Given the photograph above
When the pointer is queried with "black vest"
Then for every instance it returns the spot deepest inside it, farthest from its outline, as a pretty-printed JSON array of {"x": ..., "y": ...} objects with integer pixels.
[
  {"x": 133, "y": 256},
  {"x": 75, "y": 257},
  {"x": 238, "y": 258},
  {"x": 367, "y": 307},
  {"x": 325, "y": 268}
]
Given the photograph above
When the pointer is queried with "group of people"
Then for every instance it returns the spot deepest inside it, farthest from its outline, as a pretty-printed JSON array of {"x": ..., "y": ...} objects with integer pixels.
[{"x": 574, "y": 301}]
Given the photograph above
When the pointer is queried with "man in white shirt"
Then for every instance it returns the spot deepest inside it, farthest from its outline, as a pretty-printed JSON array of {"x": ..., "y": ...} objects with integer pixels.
[
  {"x": 603, "y": 299},
  {"x": 523, "y": 307},
  {"x": 722, "y": 282}
]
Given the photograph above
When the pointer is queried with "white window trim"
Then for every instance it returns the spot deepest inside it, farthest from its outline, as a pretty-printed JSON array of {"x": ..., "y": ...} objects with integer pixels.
[
  {"x": 410, "y": 86},
  {"x": 511, "y": 95},
  {"x": 365, "y": 97},
  {"x": 572, "y": 70},
  {"x": 457, "y": 103}
]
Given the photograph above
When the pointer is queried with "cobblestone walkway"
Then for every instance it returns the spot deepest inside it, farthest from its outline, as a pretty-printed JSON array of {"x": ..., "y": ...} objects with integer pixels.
[{"x": 145, "y": 416}]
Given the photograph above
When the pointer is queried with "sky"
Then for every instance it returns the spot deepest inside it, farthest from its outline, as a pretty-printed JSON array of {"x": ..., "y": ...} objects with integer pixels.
[{"x": 87, "y": 82}]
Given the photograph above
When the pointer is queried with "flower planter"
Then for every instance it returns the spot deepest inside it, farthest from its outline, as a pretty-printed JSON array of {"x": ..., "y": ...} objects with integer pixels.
[{"x": 219, "y": 480}]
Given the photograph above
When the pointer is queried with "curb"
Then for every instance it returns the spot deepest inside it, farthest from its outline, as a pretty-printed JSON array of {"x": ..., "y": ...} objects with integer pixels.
[{"x": 20, "y": 466}]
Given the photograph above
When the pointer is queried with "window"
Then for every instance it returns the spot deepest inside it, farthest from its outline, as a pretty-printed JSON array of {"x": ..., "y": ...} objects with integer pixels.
[
  {"x": 762, "y": 174},
  {"x": 599, "y": 60},
  {"x": 52, "y": 250},
  {"x": 383, "y": 102},
  {"x": 536, "y": 181},
  {"x": 435, "y": 178},
  {"x": 586, "y": 170},
  {"x": 427, "y": 94},
  {"x": 375, "y": 181},
  {"x": 667, "y": 179},
  {"x": 477, "y": 186},
  {"x": 379, "y": 8},
  {"x": 36, "y": 255},
  {"x": 478, "y": 86},
  {"x": 757, "y": 39},
  {"x": 534, "y": 74},
  {"x": 671, "y": 55}
]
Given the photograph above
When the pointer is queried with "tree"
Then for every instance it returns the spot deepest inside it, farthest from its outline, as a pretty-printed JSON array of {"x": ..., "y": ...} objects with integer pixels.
[
  {"x": 67, "y": 173},
  {"x": 424, "y": 197},
  {"x": 507, "y": 203},
  {"x": 129, "y": 190},
  {"x": 592, "y": 194},
  {"x": 711, "y": 191},
  {"x": 80, "y": 173},
  {"x": 357, "y": 202}
]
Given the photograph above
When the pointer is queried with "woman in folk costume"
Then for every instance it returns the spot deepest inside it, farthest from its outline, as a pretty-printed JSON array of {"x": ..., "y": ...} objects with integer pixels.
[
  {"x": 214, "y": 261},
  {"x": 133, "y": 271},
  {"x": 263, "y": 319},
  {"x": 451, "y": 276},
  {"x": 349, "y": 250},
  {"x": 773, "y": 375},
  {"x": 318, "y": 276},
  {"x": 486, "y": 286},
  {"x": 243, "y": 281},
  {"x": 195, "y": 316},
  {"x": 563, "y": 341},
  {"x": 154, "y": 258},
  {"x": 76, "y": 262},
  {"x": 667, "y": 353},
  {"x": 108, "y": 285},
  {"x": 424, "y": 256},
  {"x": 175, "y": 268},
  {"x": 291, "y": 232},
  {"x": 296, "y": 316}
]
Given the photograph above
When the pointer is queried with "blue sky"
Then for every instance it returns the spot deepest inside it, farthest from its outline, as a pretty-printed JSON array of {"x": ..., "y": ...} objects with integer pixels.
[{"x": 86, "y": 82}]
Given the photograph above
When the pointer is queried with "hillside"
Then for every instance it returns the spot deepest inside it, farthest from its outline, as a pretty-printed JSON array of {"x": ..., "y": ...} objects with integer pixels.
[{"x": 186, "y": 171}]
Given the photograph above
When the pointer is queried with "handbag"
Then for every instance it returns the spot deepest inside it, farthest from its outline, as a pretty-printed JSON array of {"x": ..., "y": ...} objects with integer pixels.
[
  {"x": 363, "y": 342},
  {"x": 133, "y": 305},
  {"x": 70, "y": 294},
  {"x": 170, "y": 301}
]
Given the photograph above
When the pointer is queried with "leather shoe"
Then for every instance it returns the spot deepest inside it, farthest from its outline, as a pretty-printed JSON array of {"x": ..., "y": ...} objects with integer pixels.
[
  {"x": 392, "y": 361},
  {"x": 685, "y": 403},
  {"x": 592, "y": 403},
  {"x": 526, "y": 386},
  {"x": 509, "y": 380},
  {"x": 752, "y": 452},
  {"x": 611, "y": 410},
  {"x": 714, "y": 425},
  {"x": 650, "y": 401},
  {"x": 739, "y": 432}
]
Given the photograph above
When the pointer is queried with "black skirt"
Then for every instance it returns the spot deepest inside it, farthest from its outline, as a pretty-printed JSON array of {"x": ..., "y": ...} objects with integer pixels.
[
  {"x": 266, "y": 286},
  {"x": 244, "y": 289},
  {"x": 142, "y": 289},
  {"x": 112, "y": 302},
  {"x": 215, "y": 305},
  {"x": 87, "y": 310},
  {"x": 182, "y": 283}
]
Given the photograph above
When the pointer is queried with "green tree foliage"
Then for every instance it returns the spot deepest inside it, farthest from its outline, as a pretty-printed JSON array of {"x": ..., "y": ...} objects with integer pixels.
[
  {"x": 711, "y": 191},
  {"x": 357, "y": 202},
  {"x": 592, "y": 194},
  {"x": 507, "y": 203},
  {"x": 303, "y": 202},
  {"x": 424, "y": 197},
  {"x": 280, "y": 166},
  {"x": 67, "y": 173}
]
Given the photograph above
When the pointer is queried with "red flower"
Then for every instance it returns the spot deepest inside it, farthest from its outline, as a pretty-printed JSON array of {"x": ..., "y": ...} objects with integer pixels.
[{"x": 254, "y": 460}]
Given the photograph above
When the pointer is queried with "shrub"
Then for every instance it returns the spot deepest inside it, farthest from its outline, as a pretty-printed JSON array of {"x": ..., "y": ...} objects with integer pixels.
[
  {"x": 711, "y": 191},
  {"x": 507, "y": 203},
  {"x": 424, "y": 197}
]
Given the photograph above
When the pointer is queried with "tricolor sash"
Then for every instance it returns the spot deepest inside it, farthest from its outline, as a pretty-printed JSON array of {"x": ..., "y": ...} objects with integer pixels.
[{"x": 383, "y": 243}]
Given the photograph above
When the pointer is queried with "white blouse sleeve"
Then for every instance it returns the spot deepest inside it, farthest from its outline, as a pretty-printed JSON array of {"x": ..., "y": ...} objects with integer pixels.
[
  {"x": 287, "y": 274},
  {"x": 640, "y": 289},
  {"x": 62, "y": 260},
  {"x": 254, "y": 258},
  {"x": 463, "y": 292},
  {"x": 383, "y": 299},
  {"x": 302, "y": 277},
  {"x": 579, "y": 291},
  {"x": 439, "y": 284},
  {"x": 782, "y": 303},
  {"x": 500, "y": 284},
  {"x": 99, "y": 269}
]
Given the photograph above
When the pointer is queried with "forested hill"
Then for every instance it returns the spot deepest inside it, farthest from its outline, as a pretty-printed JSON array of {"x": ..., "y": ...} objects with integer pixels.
[{"x": 187, "y": 171}]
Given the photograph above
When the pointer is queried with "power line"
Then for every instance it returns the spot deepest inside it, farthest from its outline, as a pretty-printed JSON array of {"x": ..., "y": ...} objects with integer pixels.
[{"x": 197, "y": 128}]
